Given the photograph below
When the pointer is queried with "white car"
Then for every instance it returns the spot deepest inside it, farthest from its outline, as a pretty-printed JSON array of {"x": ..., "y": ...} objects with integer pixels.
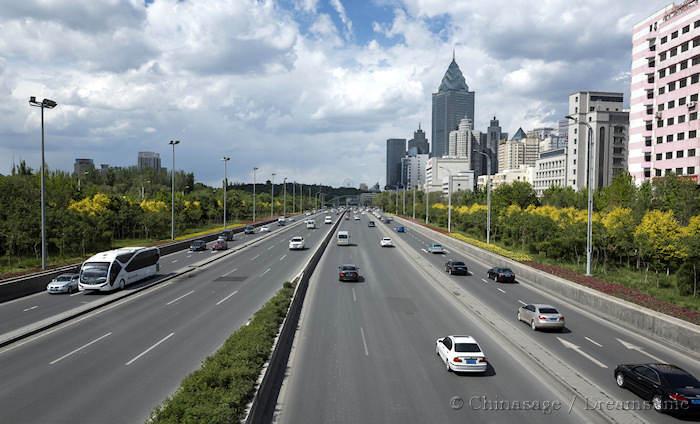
[
  {"x": 356, "y": 218},
  {"x": 386, "y": 242},
  {"x": 328, "y": 220},
  {"x": 264, "y": 229},
  {"x": 296, "y": 243},
  {"x": 461, "y": 354}
]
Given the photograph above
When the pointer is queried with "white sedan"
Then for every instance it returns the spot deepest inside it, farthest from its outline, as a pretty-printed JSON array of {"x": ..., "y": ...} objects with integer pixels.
[
  {"x": 264, "y": 229},
  {"x": 461, "y": 354},
  {"x": 386, "y": 242},
  {"x": 296, "y": 243}
]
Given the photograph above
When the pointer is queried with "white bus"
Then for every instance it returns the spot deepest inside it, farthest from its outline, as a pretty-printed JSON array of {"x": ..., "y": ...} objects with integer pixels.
[{"x": 115, "y": 269}]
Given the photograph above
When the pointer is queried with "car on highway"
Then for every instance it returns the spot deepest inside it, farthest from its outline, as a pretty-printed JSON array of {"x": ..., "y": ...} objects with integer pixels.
[
  {"x": 456, "y": 268},
  {"x": 348, "y": 272},
  {"x": 281, "y": 221},
  {"x": 501, "y": 275},
  {"x": 227, "y": 235},
  {"x": 540, "y": 316},
  {"x": 386, "y": 242},
  {"x": 668, "y": 387},
  {"x": 198, "y": 246},
  {"x": 64, "y": 283},
  {"x": 436, "y": 248},
  {"x": 264, "y": 229},
  {"x": 310, "y": 224},
  {"x": 328, "y": 219},
  {"x": 347, "y": 217},
  {"x": 343, "y": 238},
  {"x": 249, "y": 229},
  {"x": 356, "y": 218},
  {"x": 296, "y": 243},
  {"x": 219, "y": 245},
  {"x": 461, "y": 354},
  {"x": 371, "y": 224},
  {"x": 387, "y": 220},
  {"x": 400, "y": 229}
]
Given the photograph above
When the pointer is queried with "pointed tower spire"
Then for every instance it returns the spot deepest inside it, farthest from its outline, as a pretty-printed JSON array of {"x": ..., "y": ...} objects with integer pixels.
[
  {"x": 453, "y": 53},
  {"x": 418, "y": 129}
]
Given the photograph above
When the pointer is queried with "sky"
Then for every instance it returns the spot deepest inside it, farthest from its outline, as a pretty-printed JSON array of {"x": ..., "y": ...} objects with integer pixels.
[{"x": 307, "y": 89}]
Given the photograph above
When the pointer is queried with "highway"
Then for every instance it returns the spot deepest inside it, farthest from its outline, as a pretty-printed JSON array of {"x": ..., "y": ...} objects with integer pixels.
[
  {"x": 365, "y": 352},
  {"x": 30, "y": 309},
  {"x": 116, "y": 364}
]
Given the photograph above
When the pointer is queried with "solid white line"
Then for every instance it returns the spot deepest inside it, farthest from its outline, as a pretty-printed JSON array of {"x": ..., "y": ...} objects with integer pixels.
[
  {"x": 178, "y": 298},
  {"x": 500, "y": 290},
  {"x": 80, "y": 348},
  {"x": 254, "y": 257},
  {"x": 283, "y": 256},
  {"x": 364, "y": 342},
  {"x": 484, "y": 281},
  {"x": 149, "y": 349},
  {"x": 266, "y": 271},
  {"x": 226, "y": 298},
  {"x": 172, "y": 262},
  {"x": 29, "y": 309},
  {"x": 354, "y": 298},
  {"x": 594, "y": 342},
  {"x": 230, "y": 272},
  {"x": 521, "y": 302}
]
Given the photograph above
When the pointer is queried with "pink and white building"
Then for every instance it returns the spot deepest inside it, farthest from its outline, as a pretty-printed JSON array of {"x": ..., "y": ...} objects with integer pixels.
[{"x": 665, "y": 84}]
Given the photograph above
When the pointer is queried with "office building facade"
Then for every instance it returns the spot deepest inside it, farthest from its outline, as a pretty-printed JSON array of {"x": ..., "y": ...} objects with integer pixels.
[
  {"x": 452, "y": 102},
  {"x": 149, "y": 160},
  {"x": 395, "y": 150},
  {"x": 419, "y": 144},
  {"x": 550, "y": 170},
  {"x": 83, "y": 165}
]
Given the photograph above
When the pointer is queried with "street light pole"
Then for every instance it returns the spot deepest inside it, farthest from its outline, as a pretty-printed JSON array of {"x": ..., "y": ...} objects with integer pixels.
[
  {"x": 254, "y": 170},
  {"x": 414, "y": 202},
  {"x": 225, "y": 159},
  {"x": 589, "y": 229},
  {"x": 449, "y": 199},
  {"x": 44, "y": 104},
  {"x": 294, "y": 197},
  {"x": 272, "y": 196},
  {"x": 172, "y": 194},
  {"x": 284, "y": 198},
  {"x": 427, "y": 205},
  {"x": 488, "y": 195}
]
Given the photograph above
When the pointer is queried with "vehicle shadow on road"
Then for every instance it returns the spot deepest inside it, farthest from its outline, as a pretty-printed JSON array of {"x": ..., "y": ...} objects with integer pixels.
[{"x": 490, "y": 372}]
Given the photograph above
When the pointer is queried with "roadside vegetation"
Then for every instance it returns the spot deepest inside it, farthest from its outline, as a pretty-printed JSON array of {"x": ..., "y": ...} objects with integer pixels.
[
  {"x": 646, "y": 239},
  {"x": 219, "y": 391}
]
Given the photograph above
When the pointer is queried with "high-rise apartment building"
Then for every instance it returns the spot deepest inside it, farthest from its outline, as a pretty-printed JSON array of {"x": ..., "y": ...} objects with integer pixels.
[
  {"x": 664, "y": 93},
  {"x": 511, "y": 154},
  {"x": 395, "y": 150},
  {"x": 413, "y": 170},
  {"x": 610, "y": 125},
  {"x": 452, "y": 102},
  {"x": 149, "y": 160}
]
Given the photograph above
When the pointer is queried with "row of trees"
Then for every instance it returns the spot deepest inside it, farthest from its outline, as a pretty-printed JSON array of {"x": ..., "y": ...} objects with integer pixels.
[
  {"x": 654, "y": 226},
  {"x": 118, "y": 204}
]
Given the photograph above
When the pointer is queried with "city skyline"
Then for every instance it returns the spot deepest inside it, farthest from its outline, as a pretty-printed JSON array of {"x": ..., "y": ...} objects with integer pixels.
[{"x": 374, "y": 65}]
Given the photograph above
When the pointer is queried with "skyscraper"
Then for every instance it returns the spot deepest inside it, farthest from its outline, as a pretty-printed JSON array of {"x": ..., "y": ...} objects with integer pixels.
[
  {"x": 149, "y": 160},
  {"x": 493, "y": 135},
  {"x": 452, "y": 102},
  {"x": 419, "y": 142},
  {"x": 395, "y": 150}
]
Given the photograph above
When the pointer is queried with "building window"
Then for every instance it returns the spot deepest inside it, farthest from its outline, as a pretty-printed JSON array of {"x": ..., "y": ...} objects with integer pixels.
[
  {"x": 662, "y": 56},
  {"x": 662, "y": 73},
  {"x": 669, "y": 138},
  {"x": 647, "y": 172},
  {"x": 674, "y": 35},
  {"x": 696, "y": 42},
  {"x": 684, "y": 47},
  {"x": 667, "y": 171},
  {"x": 664, "y": 39},
  {"x": 672, "y": 69},
  {"x": 591, "y": 109},
  {"x": 647, "y": 156},
  {"x": 659, "y": 124},
  {"x": 681, "y": 119},
  {"x": 679, "y": 154},
  {"x": 659, "y": 140},
  {"x": 670, "y": 121},
  {"x": 669, "y": 155},
  {"x": 647, "y": 141},
  {"x": 659, "y": 156},
  {"x": 661, "y": 107},
  {"x": 691, "y": 170},
  {"x": 696, "y": 24},
  {"x": 673, "y": 52},
  {"x": 684, "y": 65},
  {"x": 694, "y": 97},
  {"x": 691, "y": 153},
  {"x": 662, "y": 90},
  {"x": 682, "y": 82},
  {"x": 671, "y": 104},
  {"x": 692, "y": 134},
  {"x": 694, "y": 78},
  {"x": 658, "y": 172},
  {"x": 680, "y": 136},
  {"x": 685, "y": 29},
  {"x": 693, "y": 116},
  {"x": 671, "y": 86},
  {"x": 681, "y": 101}
]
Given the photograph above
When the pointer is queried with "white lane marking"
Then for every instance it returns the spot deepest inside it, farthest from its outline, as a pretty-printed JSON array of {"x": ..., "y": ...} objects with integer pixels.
[
  {"x": 446, "y": 251},
  {"x": 226, "y": 298},
  {"x": 266, "y": 271},
  {"x": 354, "y": 298},
  {"x": 631, "y": 346},
  {"x": 283, "y": 256},
  {"x": 172, "y": 262},
  {"x": 189, "y": 256},
  {"x": 483, "y": 281},
  {"x": 500, "y": 290},
  {"x": 29, "y": 309},
  {"x": 271, "y": 247},
  {"x": 79, "y": 349},
  {"x": 254, "y": 257},
  {"x": 149, "y": 349},
  {"x": 424, "y": 251},
  {"x": 178, "y": 298},
  {"x": 230, "y": 272},
  {"x": 76, "y": 293},
  {"x": 364, "y": 341},
  {"x": 521, "y": 302},
  {"x": 567, "y": 344},
  {"x": 593, "y": 341}
]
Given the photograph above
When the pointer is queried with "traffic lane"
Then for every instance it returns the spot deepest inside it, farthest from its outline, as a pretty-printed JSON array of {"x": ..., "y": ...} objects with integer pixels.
[
  {"x": 202, "y": 323},
  {"x": 30, "y": 309},
  {"x": 398, "y": 318},
  {"x": 587, "y": 344}
]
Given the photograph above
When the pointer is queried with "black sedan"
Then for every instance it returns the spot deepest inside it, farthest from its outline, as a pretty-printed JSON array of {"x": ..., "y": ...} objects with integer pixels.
[
  {"x": 456, "y": 268},
  {"x": 501, "y": 275},
  {"x": 348, "y": 273},
  {"x": 668, "y": 387},
  {"x": 198, "y": 246}
]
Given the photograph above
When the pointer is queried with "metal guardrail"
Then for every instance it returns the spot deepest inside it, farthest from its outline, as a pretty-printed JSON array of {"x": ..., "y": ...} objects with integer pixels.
[
  {"x": 263, "y": 404},
  {"x": 17, "y": 287}
]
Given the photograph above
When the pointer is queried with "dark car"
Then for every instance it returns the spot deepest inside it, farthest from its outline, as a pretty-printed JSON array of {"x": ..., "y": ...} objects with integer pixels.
[
  {"x": 456, "y": 268},
  {"x": 348, "y": 273},
  {"x": 219, "y": 245},
  {"x": 371, "y": 224},
  {"x": 227, "y": 235},
  {"x": 400, "y": 229},
  {"x": 668, "y": 387},
  {"x": 198, "y": 245},
  {"x": 249, "y": 229},
  {"x": 387, "y": 220},
  {"x": 501, "y": 275}
]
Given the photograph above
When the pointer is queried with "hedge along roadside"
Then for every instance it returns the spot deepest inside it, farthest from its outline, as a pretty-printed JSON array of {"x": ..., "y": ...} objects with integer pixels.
[{"x": 222, "y": 389}]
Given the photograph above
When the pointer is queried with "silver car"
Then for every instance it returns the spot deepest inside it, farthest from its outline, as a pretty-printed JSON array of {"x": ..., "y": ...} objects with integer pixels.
[
  {"x": 540, "y": 316},
  {"x": 64, "y": 283}
]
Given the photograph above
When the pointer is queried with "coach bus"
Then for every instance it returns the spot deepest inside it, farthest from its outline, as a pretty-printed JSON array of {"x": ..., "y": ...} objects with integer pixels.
[{"x": 115, "y": 269}]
